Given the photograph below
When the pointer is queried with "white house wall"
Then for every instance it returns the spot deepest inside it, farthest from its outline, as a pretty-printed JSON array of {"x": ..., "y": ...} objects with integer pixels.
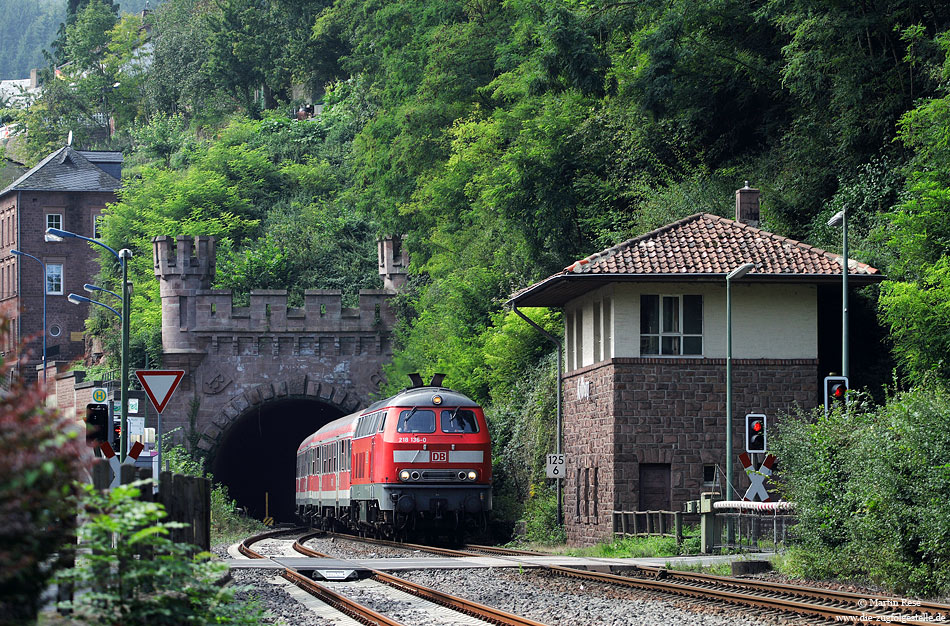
[{"x": 774, "y": 321}]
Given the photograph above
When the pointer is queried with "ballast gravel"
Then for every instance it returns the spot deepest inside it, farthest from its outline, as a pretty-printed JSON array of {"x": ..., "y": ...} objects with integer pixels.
[{"x": 545, "y": 598}]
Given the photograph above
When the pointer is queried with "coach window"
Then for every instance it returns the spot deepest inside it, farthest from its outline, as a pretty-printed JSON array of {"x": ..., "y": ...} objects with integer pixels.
[
  {"x": 458, "y": 421},
  {"x": 416, "y": 421}
]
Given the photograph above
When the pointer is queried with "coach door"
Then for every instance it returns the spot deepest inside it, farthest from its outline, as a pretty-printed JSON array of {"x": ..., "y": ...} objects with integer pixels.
[{"x": 655, "y": 487}]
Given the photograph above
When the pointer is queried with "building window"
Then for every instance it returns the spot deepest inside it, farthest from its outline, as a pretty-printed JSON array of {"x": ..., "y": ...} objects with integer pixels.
[
  {"x": 54, "y": 278},
  {"x": 598, "y": 344},
  {"x": 97, "y": 227},
  {"x": 579, "y": 339},
  {"x": 709, "y": 475},
  {"x": 671, "y": 325},
  {"x": 54, "y": 220},
  {"x": 569, "y": 341}
]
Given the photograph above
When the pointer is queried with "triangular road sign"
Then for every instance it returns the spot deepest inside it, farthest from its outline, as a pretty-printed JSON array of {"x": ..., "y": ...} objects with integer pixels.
[{"x": 159, "y": 385}]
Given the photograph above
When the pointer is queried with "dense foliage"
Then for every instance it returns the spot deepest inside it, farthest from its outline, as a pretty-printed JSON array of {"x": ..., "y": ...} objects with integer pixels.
[
  {"x": 40, "y": 457},
  {"x": 117, "y": 586},
  {"x": 504, "y": 139},
  {"x": 872, "y": 491}
]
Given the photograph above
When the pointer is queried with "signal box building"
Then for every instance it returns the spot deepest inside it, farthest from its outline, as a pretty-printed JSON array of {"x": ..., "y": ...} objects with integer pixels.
[
  {"x": 66, "y": 190},
  {"x": 644, "y": 383}
]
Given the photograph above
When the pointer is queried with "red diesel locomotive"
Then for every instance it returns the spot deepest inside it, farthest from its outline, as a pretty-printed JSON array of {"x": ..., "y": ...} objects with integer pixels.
[{"x": 419, "y": 458}]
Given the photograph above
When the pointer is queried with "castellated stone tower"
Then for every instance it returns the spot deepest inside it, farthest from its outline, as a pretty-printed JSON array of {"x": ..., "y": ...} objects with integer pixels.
[
  {"x": 393, "y": 262},
  {"x": 183, "y": 267}
]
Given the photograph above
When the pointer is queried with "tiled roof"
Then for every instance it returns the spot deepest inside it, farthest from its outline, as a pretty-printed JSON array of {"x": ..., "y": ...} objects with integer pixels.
[
  {"x": 65, "y": 170},
  {"x": 699, "y": 246}
]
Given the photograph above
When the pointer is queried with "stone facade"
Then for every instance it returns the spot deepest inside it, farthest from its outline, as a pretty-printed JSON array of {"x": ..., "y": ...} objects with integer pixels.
[
  {"x": 627, "y": 411},
  {"x": 239, "y": 358}
]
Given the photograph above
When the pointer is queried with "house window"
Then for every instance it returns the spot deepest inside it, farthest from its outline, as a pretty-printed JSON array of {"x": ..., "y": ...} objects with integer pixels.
[
  {"x": 54, "y": 220},
  {"x": 709, "y": 475},
  {"x": 598, "y": 344},
  {"x": 671, "y": 325},
  {"x": 54, "y": 278},
  {"x": 569, "y": 341},
  {"x": 97, "y": 227}
]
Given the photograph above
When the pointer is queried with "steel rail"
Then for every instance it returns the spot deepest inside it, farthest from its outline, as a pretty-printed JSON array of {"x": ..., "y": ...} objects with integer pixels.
[
  {"x": 837, "y": 613},
  {"x": 468, "y": 607},
  {"x": 764, "y": 594},
  {"x": 360, "y": 613}
]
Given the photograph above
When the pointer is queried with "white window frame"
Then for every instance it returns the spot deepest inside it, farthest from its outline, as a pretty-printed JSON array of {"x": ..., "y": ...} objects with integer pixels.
[
  {"x": 59, "y": 218},
  {"x": 49, "y": 274},
  {"x": 661, "y": 334}
]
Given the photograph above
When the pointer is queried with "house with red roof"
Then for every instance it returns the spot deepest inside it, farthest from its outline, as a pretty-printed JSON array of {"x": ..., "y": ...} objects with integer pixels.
[
  {"x": 644, "y": 382},
  {"x": 66, "y": 190}
]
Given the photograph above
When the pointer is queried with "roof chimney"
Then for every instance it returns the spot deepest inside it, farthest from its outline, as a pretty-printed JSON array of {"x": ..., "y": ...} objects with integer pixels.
[{"x": 747, "y": 205}]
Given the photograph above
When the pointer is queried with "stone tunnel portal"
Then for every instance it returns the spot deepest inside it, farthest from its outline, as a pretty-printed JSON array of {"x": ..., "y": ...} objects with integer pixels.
[{"x": 256, "y": 455}]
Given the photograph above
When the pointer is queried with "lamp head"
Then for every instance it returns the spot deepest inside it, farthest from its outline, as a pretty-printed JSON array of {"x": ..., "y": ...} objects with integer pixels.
[
  {"x": 76, "y": 299},
  {"x": 740, "y": 271},
  {"x": 15, "y": 252},
  {"x": 837, "y": 219},
  {"x": 57, "y": 234}
]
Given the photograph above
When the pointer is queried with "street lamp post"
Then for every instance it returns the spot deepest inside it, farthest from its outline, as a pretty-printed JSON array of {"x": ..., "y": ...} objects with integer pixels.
[
  {"x": 841, "y": 219},
  {"x": 735, "y": 274},
  {"x": 123, "y": 257},
  {"x": 19, "y": 253}
]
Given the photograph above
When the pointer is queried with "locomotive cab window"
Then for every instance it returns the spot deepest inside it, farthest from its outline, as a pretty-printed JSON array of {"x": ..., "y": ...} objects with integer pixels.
[
  {"x": 416, "y": 421},
  {"x": 458, "y": 421}
]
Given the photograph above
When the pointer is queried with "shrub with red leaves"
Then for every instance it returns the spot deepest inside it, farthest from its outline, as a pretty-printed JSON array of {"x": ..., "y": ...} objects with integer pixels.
[{"x": 40, "y": 458}]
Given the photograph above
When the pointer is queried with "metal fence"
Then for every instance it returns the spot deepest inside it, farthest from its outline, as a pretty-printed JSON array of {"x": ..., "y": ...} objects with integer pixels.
[
  {"x": 756, "y": 526},
  {"x": 649, "y": 524}
]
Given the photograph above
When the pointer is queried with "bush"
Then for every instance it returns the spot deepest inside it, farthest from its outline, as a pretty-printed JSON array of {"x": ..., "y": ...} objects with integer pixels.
[
  {"x": 40, "y": 454},
  {"x": 227, "y": 522},
  {"x": 872, "y": 491},
  {"x": 540, "y": 517},
  {"x": 134, "y": 574}
]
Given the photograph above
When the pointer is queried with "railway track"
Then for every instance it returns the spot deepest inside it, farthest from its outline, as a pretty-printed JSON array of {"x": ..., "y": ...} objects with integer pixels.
[
  {"x": 327, "y": 592},
  {"x": 807, "y": 602}
]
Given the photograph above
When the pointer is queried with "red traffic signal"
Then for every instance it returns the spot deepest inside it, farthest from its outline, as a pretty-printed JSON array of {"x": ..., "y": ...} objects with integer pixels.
[
  {"x": 755, "y": 438},
  {"x": 836, "y": 392}
]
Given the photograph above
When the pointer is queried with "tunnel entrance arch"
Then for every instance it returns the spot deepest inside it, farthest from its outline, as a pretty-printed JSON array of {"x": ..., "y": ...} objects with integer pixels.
[{"x": 255, "y": 455}]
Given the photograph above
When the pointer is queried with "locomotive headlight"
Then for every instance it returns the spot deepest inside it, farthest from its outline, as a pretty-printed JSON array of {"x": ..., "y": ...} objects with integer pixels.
[
  {"x": 404, "y": 475},
  {"x": 472, "y": 475}
]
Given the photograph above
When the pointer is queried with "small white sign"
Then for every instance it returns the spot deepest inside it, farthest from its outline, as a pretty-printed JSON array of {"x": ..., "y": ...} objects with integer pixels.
[
  {"x": 555, "y": 467},
  {"x": 583, "y": 389},
  {"x": 133, "y": 405},
  {"x": 136, "y": 425},
  {"x": 100, "y": 395},
  {"x": 116, "y": 407}
]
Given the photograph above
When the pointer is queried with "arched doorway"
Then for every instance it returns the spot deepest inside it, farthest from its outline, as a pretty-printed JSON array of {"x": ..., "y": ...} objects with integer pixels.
[{"x": 256, "y": 454}]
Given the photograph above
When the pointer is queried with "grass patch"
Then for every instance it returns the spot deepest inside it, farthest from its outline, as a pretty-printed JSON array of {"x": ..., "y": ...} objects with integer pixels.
[{"x": 636, "y": 547}]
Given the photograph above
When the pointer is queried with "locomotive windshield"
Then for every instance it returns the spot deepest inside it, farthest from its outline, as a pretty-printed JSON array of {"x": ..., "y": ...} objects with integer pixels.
[
  {"x": 459, "y": 421},
  {"x": 416, "y": 421}
]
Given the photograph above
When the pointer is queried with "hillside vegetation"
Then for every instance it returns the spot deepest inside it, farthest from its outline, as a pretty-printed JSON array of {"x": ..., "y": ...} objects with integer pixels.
[{"x": 506, "y": 139}]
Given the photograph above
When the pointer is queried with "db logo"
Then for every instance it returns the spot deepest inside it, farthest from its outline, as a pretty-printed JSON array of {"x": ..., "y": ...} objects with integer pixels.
[{"x": 440, "y": 456}]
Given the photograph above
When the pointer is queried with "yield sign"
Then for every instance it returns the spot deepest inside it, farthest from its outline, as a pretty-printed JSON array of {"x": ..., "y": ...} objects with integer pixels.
[
  {"x": 757, "y": 477},
  {"x": 159, "y": 385}
]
